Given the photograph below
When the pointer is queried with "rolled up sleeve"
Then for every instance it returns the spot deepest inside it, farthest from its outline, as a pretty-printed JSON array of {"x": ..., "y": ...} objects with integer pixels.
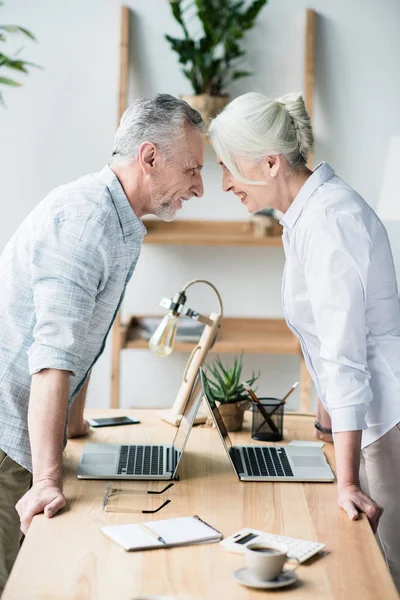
[
  {"x": 70, "y": 264},
  {"x": 335, "y": 258}
]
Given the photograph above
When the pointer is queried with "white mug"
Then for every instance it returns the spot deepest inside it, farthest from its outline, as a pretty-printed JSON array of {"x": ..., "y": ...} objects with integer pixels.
[{"x": 266, "y": 560}]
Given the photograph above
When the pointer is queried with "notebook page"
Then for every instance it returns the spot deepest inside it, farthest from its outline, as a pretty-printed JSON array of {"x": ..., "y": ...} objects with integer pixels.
[
  {"x": 130, "y": 536},
  {"x": 183, "y": 530}
]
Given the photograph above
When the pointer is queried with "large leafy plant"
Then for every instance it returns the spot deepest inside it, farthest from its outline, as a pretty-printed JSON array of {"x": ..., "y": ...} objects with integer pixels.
[
  {"x": 210, "y": 56},
  {"x": 12, "y": 63},
  {"x": 224, "y": 384}
]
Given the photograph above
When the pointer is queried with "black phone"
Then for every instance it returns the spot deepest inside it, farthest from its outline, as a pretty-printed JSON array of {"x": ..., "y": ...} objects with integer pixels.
[{"x": 113, "y": 421}]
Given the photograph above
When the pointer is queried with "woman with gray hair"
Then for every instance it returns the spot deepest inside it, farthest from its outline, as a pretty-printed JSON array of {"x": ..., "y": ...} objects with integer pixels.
[{"x": 339, "y": 296}]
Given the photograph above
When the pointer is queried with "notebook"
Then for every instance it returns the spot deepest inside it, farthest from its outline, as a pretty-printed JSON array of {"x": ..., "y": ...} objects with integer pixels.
[{"x": 183, "y": 531}]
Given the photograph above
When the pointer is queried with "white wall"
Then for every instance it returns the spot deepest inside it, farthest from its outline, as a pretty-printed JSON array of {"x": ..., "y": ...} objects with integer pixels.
[{"x": 60, "y": 125}]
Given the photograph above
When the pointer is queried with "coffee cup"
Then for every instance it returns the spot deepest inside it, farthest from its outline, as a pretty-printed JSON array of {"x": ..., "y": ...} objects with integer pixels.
[{"x": 265, "y": 561}]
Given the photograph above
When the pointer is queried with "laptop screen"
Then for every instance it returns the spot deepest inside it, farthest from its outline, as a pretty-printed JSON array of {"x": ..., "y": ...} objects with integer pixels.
[
  {"x": 216, "y": 414},
  {"x": 188, "y": 417}
]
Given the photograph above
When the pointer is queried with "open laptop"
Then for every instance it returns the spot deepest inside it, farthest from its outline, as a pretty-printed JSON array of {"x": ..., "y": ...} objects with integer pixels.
[
  {"x": 111, "y": 461},
  {"x": 271, "y": 463}
]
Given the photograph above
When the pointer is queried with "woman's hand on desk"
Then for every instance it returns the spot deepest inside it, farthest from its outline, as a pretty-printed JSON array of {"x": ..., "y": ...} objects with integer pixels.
[
  {"x": 353, "y": 500},
  {"x": 44, "y": 496}
]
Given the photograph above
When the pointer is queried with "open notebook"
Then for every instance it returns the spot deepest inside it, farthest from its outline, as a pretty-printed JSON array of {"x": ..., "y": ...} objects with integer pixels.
[{"x": 183, "y": 531}]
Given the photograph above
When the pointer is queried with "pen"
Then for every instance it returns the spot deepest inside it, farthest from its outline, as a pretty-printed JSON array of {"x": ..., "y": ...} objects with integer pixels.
[
  {"x": 264, "y": 413},
  {"x": 152, "y": 533}
]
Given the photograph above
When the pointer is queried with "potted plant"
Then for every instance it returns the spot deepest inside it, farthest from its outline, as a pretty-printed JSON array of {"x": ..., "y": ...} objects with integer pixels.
[
  {"x": 210, "y": 57},
  {"x": 12, "y": 62},
  {"x": 224, "y": 386}
]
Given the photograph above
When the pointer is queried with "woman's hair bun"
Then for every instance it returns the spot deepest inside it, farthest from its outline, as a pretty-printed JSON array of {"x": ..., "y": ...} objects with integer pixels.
[{"x": 295, "y": 106}]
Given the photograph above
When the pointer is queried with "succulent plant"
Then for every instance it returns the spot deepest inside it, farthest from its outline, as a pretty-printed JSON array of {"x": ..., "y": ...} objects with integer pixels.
[{"x": 224, "y": 384}]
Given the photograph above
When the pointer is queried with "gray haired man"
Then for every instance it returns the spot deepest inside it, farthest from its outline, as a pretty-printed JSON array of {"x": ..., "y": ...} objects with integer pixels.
[{"x": 63, "y": 276}]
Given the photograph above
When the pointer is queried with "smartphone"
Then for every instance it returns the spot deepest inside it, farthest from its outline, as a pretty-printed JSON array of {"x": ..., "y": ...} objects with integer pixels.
[{"x": 112, "y": 421}]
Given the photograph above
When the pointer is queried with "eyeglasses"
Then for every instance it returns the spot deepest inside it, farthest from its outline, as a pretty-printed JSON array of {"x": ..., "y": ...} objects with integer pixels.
[{"x": 112, "y": 492}]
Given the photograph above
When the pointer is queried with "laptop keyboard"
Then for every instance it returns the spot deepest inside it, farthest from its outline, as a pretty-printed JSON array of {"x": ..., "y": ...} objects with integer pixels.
[
  {"x": 141, "y": 460},
  {"x": 263, "y": 461}
]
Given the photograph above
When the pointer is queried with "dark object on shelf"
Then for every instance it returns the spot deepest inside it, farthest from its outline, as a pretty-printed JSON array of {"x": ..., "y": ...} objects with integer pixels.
[
  {"x": 265, "y": 223},
  {"x": 261, "y": 429},
  {"x": 188, "y": 330}
]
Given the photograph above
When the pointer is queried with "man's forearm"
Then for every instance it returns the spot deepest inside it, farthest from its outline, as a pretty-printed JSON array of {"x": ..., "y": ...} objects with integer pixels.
[
  {"x": 48, "y": 404},
  {"x": 347, "y": 453},
  {"x": 78, "y": 406}
]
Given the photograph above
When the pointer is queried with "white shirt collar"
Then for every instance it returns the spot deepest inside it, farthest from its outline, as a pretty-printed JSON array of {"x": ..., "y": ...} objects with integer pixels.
[{"x": 320, "y": 175}]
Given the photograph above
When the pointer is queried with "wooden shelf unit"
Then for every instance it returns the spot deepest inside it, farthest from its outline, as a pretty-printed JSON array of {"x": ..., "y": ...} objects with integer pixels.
[
  {"x": 198, "y": 233},
  {"x": 254, "y": 336}
]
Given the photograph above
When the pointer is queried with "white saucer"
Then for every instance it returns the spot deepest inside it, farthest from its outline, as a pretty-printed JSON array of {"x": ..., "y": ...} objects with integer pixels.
[{"x": 245, "y": 577}]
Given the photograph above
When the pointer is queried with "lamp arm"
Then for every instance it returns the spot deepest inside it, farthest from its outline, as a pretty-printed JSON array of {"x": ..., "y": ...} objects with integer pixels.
[{"x": 190, "y": 283}]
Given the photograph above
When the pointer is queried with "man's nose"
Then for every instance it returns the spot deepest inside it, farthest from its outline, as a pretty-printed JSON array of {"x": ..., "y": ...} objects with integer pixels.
[{"x": 198, "y": 188}]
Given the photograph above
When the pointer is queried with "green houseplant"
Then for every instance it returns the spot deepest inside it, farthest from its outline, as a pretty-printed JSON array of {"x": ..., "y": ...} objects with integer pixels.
[
  {"x": 12, "y": 63},
  {"x": 224, "y": 385},
  {"x": 211, "y": 47}
]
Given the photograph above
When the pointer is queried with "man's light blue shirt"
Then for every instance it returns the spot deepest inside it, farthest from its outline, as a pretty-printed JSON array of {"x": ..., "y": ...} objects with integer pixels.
[{"x": 63, "y": 276}]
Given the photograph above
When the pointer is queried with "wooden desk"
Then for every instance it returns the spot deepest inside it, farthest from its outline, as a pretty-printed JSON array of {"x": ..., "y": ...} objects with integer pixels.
[{"x": 68, "y": 558}]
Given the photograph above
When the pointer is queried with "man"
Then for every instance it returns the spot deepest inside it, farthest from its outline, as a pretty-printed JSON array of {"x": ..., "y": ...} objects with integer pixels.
[{"x": 63, "y": 276}]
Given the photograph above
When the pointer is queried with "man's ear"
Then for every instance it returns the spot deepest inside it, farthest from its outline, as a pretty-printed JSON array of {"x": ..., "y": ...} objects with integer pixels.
[
  {"x": 147, "y": 157},
  {"x": 273, "y": 163}
]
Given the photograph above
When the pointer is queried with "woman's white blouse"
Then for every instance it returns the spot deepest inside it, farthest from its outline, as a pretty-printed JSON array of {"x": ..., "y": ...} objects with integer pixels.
[{"x": 340, "y": 299}]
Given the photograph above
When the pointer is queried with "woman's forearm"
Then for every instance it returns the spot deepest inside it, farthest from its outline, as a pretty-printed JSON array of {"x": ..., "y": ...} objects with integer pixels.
[
  {"x": 347, "y": 454},
  {"x": 322, "y": 415}
]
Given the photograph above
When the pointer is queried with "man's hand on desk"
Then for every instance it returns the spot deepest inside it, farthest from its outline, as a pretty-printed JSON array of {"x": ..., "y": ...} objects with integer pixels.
[
  {"x": 76, "y": 430},
  {"x": 44, "y": 496},
  {"x": 77, "y": 425}
]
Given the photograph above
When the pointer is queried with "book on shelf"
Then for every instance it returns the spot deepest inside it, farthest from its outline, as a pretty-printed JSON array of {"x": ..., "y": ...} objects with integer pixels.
[{"x": 188, "y": 330}]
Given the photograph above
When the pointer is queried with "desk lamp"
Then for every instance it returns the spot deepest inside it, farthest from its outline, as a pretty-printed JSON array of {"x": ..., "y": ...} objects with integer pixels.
[{"x": 162, "y": 342}]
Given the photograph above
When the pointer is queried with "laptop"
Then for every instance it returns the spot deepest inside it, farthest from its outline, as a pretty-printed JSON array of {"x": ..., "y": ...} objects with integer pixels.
[
  {"x": 111, "y": 461},
  {"x": 270, "y": 463}
]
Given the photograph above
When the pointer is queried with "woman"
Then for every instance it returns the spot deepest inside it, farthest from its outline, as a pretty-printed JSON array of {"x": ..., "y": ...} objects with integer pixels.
[{"x": 339, "y": 296}]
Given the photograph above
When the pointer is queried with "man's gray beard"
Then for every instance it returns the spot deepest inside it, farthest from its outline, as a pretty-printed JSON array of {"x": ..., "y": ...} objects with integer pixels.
[{"x": 165, "y": 211}]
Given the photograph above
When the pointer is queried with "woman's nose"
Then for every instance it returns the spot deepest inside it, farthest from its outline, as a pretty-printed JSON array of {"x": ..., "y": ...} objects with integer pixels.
[{"x": 226, "y": 182}]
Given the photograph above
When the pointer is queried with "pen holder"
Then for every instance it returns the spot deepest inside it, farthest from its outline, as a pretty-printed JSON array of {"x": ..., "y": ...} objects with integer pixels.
[{"x": 271, "y": 429}]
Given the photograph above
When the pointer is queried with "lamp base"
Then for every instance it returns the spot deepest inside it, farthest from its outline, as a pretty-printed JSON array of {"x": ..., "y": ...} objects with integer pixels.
[{"x": 174, "y": 419}]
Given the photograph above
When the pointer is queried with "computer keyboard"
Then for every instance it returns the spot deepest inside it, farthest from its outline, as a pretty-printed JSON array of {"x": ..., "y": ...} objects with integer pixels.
[
  {"x": 141, "y": 460},
  {"x": 263, "y": 461}
]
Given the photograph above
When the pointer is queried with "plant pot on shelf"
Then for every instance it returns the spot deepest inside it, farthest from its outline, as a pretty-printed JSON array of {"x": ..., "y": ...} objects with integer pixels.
[
  {"x": 232, "y": 414},
  {"x": 208, "y": 106}
]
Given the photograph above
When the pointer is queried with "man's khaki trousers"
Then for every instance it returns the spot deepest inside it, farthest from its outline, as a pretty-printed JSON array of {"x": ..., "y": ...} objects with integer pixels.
[
  {"x": 14, "y": 482},
  {"x": 380, "y": 479}
]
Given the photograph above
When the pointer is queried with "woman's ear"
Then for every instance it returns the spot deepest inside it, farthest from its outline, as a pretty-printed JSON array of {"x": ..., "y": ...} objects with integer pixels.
[{"x": 273, "y": 164}]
